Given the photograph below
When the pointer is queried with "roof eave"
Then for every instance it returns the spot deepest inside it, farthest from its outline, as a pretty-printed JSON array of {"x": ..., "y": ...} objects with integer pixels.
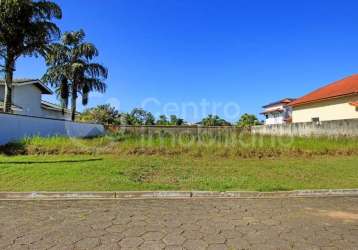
[
  {"x": 320, "y": 100},
  {"x": 45, "y": 90},
  {"x": 283, "y": 101}
]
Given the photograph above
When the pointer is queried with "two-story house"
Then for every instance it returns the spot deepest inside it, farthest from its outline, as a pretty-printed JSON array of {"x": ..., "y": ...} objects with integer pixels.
[
  {"x": 27, "y": 100},
  {"x": 278, "y": 112}
]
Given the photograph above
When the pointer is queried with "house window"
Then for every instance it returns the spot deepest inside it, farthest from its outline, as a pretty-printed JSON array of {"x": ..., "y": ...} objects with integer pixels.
[
  {"x": 276, "y": 115},
  {"x": 315, "y": 119}
]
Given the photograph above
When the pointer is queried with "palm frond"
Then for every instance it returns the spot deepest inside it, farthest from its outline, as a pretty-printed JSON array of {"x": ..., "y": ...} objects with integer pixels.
[
  {"x": 96, "y": 70},
  {"x": 73, "y": 37},
  {"x": 57, "y": 54},
  {"x": 86, "y": 50},
  {"x": 46, "y": 10},
  {"x": 95, "y": 84}
]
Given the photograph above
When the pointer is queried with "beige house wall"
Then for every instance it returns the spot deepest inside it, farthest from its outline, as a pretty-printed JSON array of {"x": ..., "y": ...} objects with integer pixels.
[{"x": 329, "y": 110}]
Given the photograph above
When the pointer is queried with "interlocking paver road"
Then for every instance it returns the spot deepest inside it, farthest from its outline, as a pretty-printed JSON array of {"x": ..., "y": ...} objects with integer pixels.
[{"x": 302, "y": 223}]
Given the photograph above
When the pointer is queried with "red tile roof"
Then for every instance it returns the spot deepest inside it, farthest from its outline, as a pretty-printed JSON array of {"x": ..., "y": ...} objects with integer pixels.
[
  {"x": 344, "y": 87},
  {"x": 272, "y": 111},
  {"x": 282, "y": 101}
]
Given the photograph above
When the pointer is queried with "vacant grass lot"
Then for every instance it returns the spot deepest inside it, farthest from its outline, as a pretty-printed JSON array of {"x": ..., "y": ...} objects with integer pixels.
[
  {"x": 123, "y": 162},
  {"x": 105, "y": 173}
]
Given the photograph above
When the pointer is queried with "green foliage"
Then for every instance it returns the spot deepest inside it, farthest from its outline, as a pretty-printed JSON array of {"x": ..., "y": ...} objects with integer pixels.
[
  {"x": 137, "y": 117},
  {"x": 26, "y": 28},
  {"x": 174, "y": 120},
  {"x": 71, "y": 70},
  {"x": 224, "y": 143},
  {"x": 248, "y": 120},
  {"x": 214, "y": 120},
  {"x": 141, "y": 117},
  {"x": 105, "y": 114},
  {"x": 163, "y": 120}
]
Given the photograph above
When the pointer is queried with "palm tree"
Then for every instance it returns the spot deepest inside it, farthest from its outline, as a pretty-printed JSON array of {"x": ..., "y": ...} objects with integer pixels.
[
  {"x": 58, "y": 72},
  {"x": 71, "y": 71},
  {"x": 25, "y": 29}
]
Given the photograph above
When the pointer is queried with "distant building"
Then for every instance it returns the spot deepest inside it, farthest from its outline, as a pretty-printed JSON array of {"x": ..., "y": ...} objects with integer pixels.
[
  {"x": 27, "y": 100},
  {"x": 336, "y": 101},
  {"x": 278, "y": 112}
]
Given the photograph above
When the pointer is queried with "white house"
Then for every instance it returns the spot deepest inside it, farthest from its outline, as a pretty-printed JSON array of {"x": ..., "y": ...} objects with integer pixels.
[
  {"x": 278, "y": 112},
  {"x": 27, "y": 100}
]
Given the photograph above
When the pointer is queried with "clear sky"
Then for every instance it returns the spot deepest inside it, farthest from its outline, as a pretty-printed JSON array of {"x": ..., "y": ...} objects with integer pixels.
[{"x": 227, "y": 53}]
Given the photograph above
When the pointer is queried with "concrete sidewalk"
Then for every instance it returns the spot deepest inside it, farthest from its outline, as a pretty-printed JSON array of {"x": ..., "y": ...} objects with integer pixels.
[{"x": 205, "y": 223}]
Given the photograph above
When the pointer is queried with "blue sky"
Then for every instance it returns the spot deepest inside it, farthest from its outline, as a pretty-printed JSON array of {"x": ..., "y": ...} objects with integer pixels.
[{"x": 234, "y": 52}]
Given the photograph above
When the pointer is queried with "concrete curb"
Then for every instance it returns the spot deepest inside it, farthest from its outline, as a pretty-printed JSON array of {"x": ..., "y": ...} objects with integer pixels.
[{"x": 175, "y": 194}]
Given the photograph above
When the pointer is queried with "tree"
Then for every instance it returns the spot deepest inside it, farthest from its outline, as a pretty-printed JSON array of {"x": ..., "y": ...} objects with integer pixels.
[
  {"x": 25, "y": 29},
  {"x": 71, "y": 71},
  {"x": 248, "y": 120},
  {"x": 137, "y": 117},
  {"x": 105, "y": 114},
  {"x": 163, "y": 120},
  {"x": 150, "y": 119},
  {"x": 214, "y": 120},
  {"x": 142, "y": 117},
  {"x": 174, "y": 120}
]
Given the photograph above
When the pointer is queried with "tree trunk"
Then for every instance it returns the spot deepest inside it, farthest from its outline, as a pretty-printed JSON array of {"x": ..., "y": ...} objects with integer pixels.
[
  {"x": 73, "y": 101},
  {"x": 9, "y": 72}
]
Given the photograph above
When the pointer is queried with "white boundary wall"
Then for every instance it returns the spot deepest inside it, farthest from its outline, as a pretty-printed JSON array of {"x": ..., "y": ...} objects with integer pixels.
[
  {"x": 16, "y": 127},
  {"x": 324, "y": 128}
]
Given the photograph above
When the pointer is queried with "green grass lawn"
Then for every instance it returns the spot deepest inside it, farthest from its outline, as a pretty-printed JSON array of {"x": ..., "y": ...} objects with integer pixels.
[{"x": 175, "y": 172}]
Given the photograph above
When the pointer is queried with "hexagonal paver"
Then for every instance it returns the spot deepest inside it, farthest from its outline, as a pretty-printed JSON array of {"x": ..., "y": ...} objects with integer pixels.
[
  {"x": 238, "y": 243},
  {"x": 115, "y": 229},
  {"x": 204, "y": 223},
  {"x": 88, "y": 243},
  {"x": 151, "y": 236},
  {"x": 108, "y": 246},
  {"x": 193, "y": 235},
  {"x": 134, "y": 231},
  {"x": 173, "y": 239},
  {"x": 174, "y": 248},
  {"x": 195, "y": 245},
  {"x": 131, "y": 242},
  {"x": 214, "y": 239},
  {"x": 217, "y": 247},
  {"x": 152, "y": 245},
  {"x": 230, "y": 234},
  {"x": 121, "y": 221}
]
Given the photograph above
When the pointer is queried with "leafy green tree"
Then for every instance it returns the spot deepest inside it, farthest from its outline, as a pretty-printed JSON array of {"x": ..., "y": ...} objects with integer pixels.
[
  {"x": 137, "y": 117},
  {"x": 71, "y": 70},
  {"x": 126, "y": 119},
  {"x": 248, "y": 120},
  {"x": 142, "y": 117},
  {"x": 26, "y": 28},
  {"x": 214, "y": 120},
  {"x": 105, "y": 114},
  {"x": 150, "y": 119},
  {"x": 163, "y": 120},
  {"x": 174, "y": 120}
]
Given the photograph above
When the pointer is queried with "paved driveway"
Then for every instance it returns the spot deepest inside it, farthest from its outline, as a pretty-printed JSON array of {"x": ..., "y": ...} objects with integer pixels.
[{"x": 303, "y": 223}]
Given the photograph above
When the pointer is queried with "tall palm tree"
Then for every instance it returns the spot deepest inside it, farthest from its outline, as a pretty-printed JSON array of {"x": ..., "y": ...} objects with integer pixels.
[
  {"x": 59, "y": 72},
  {"x": 71, "y": 70},
  {"x": 25, "y": 29}
]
